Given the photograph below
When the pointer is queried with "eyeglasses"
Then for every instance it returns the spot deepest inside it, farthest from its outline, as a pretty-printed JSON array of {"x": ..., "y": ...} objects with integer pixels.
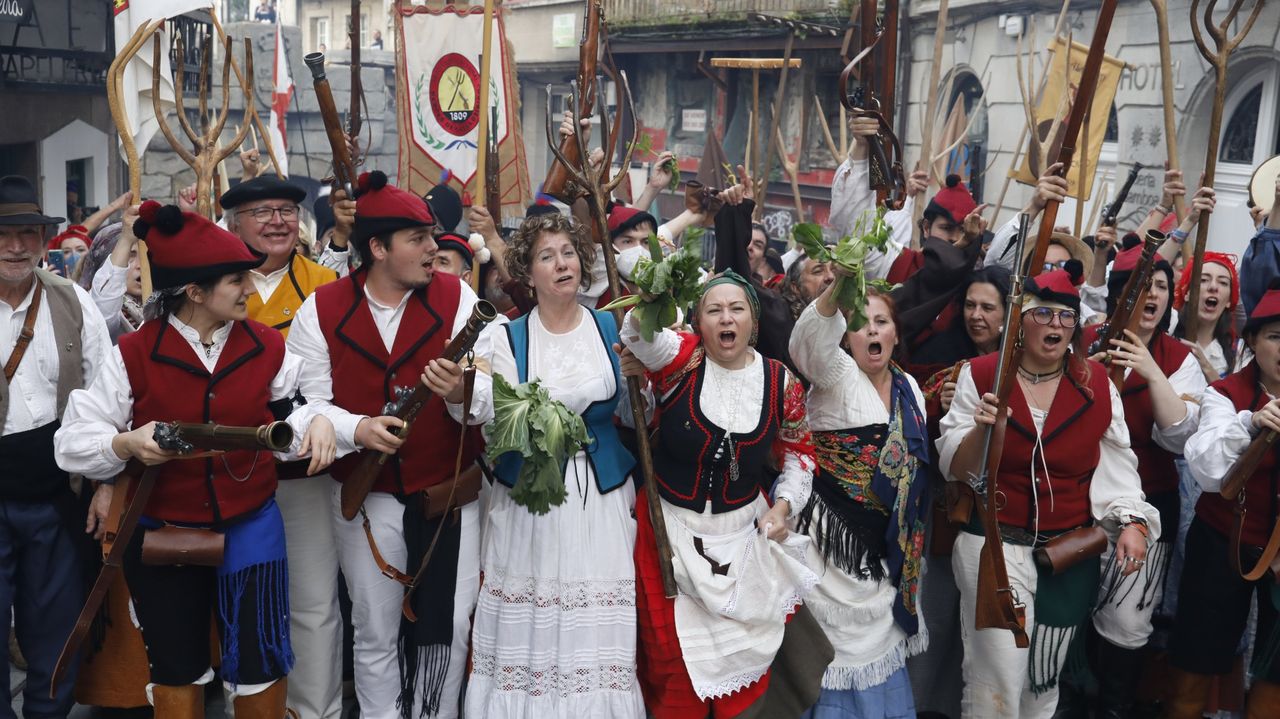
[
  {"x": 1051, "y": 266},
  {"x": 263, "y": 214},
  {"x": 1045, "y": 315}
]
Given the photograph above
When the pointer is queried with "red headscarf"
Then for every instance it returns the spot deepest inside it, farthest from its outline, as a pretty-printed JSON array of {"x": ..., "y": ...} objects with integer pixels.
[{"x": 1184, "y": 280}]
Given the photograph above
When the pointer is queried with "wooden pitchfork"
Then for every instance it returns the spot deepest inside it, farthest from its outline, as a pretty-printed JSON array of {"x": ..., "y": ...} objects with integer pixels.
[
  {"x": 208, "y": 152},
  {"x": 1219, "y": 57},
  {"x": 599, "y": 182}
]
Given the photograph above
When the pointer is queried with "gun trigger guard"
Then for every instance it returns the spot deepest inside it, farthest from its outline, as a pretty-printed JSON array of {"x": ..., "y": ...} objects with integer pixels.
[{"x": 999, "y": 500}]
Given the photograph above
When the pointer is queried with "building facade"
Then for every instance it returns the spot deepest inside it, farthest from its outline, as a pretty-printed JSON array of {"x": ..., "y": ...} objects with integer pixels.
[
  {"x": 53, "y": 62},
  {"x": 667, "y": 49}
]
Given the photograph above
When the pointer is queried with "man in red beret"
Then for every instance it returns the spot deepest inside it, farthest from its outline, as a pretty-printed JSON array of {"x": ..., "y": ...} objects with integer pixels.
[
  {"x": 364, "y": 337},
  {"x": 54, "y": 341}
]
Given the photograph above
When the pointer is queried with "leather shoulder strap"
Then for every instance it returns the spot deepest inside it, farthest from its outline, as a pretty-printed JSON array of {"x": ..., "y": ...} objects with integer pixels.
[{"x": 24, "y": 337}]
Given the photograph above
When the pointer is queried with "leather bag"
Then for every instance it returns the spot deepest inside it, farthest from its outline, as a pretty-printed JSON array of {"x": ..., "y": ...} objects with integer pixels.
[
  {"x": 1070, "y": 548},
  {"x": 171, "y": 545}
]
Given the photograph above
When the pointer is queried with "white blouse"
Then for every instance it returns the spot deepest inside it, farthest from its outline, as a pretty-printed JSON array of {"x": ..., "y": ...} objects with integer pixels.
[
  {"x": 1115, "y": 490},
  {"x": 841, "y": 396},
  {"x": 1223, "y": 435},
  {"x": 94, "y": 416}
]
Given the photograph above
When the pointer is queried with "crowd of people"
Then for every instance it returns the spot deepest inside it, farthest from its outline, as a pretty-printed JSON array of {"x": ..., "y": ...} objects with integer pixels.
[{"x": 815, "y": 484}]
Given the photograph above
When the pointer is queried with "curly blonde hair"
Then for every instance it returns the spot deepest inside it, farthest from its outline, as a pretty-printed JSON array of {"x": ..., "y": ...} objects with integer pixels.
[{"x": 520, "y": 252}]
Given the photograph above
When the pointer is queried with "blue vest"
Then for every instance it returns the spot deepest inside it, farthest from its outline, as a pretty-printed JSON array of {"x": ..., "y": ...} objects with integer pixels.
[{"x": 610, "y": 461}]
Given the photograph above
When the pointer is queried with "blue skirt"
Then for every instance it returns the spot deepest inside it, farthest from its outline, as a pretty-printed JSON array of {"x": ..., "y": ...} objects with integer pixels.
[{"x": 890, "y": 700}]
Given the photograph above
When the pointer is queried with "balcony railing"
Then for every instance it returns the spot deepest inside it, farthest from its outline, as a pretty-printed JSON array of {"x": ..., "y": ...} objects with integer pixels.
[{"x": 664, "y": 12}]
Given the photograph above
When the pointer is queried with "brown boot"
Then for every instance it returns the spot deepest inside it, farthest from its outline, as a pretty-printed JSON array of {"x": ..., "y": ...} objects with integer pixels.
[
  {"x": 1264, "y": 701},
  {"x": 1187, "y": 694},
  {"x": 266, "y": 704},
  {"x": 184, "y": 702}
]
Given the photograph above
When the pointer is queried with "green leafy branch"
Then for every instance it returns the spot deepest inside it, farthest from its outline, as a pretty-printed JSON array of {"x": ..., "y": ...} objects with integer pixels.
[
  {"x": 870, "y": 232},
  {"x": 667, "y": 284}
]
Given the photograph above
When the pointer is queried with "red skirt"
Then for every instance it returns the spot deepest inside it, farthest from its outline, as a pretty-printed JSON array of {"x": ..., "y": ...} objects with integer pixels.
[{"x": 664, "y": 680}]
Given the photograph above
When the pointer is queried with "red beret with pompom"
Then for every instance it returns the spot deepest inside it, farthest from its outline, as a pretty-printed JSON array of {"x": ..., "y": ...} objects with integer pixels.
[{"x": 184, "y": 247}]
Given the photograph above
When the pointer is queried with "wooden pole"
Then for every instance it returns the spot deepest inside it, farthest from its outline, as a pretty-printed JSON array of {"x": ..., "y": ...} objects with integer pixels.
[
  {"x": 930, "y": 113},
  {"x": 482, "y": 101},
  {"x": 115, "y": 78},
  {"x": 1161, "y": 8},
  {"x": 482, "y": 106},
  {"x": 762, "y": 180},
  {"x": 1219, "y": 58},
  {"x": 1084, "y": 171}
]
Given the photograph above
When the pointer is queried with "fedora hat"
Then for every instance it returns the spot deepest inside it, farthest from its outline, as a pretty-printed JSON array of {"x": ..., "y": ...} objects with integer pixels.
[
  {"x": 19, "y": 204},
  {"x": 1072, "y": 244}
]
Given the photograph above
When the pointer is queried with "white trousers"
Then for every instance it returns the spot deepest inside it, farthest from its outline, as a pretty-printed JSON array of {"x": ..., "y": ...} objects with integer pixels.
[
  {"x": 1124, "y": 613},
  {"x": 315, "y": 622},
  {"x": 996, "y": 681},
  {"x": 376, "y": 602}
]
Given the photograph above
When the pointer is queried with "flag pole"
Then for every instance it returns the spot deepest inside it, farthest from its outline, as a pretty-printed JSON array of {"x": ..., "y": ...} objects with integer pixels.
[{"x": 482, "y": 107}]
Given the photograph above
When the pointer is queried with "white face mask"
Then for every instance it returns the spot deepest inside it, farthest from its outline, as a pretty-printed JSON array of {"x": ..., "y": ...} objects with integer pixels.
[{"x": 628, "y": 258}]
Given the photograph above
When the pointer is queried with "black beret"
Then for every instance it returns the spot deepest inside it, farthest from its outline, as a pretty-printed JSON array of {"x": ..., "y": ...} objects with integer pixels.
[
  {"x": 263, "y": 187},
  {"x": 446, "y": 206}
]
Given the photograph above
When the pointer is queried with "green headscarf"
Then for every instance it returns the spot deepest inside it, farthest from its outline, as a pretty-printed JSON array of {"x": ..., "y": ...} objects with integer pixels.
[{"x": 729, "y": 277}]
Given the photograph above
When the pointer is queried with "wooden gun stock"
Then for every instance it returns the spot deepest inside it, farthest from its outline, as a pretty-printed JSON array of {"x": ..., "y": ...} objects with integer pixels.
[
  {"x": 344, "y": 169},
  {"x": 1247, "y": 463},
  {"x": 557, "y": 183},
  {"x": 1075, "y": 121},
  {"x": 182, "y": 437},
  {"x": 997, "y": 605},
  {"x": 360, "y": 482}
]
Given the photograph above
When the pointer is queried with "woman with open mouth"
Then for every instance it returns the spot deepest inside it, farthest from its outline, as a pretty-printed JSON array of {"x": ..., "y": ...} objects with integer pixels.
[
  {"x": 1066, "y": 465},
  {"x": 866, "y": 517},
  {"x": 1214, "y": 346},
  {"x": 730, "y": 422},
  {"x": 1159, "y": 373},
  {"x": 1214, "y": 599}
]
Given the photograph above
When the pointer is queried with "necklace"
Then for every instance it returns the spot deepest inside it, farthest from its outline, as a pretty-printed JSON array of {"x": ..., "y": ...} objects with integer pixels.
[
  {"x": 1038, "y": 377},
  {"x": 730, "y": 404},
  {"x": 208, "y": 348}
]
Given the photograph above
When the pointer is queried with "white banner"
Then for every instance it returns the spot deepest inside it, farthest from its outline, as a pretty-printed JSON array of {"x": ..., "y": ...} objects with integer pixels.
[{"x": 441, "y": 67}]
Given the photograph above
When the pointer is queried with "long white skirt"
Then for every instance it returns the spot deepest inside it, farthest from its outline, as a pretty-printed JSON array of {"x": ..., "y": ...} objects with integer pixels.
[{"x": 555, "y": 627}]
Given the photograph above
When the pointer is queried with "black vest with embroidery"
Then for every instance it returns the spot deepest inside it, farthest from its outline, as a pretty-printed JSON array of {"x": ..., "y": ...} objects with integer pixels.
[{"x": 692, "y": 459}]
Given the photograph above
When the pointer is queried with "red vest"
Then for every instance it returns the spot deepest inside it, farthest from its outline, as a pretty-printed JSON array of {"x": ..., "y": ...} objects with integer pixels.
[
  {"x": 170, "y": 384},
  {"x": 365, "y": 376},
  {"x": 1261, "y": 500},
  {"x": 1073, "y": 431}
]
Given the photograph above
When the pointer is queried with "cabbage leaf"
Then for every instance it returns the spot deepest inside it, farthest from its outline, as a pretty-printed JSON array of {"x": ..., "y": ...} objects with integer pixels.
[{"x": 545, "y": 433}]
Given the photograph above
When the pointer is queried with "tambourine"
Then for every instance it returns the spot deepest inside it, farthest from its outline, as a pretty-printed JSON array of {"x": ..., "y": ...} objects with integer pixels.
[{"x": 1262, "y": 186}]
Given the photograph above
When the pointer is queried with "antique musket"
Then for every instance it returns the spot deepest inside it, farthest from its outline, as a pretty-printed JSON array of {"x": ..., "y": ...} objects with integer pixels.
[
  {"x": 344, "y": 168},
  {"x": 559, "y": 183},
  {"x": 1128, "y": 310},
  {"x": 405, "y": 406},
  {"x": 1111, "y": 215},
  {"x": 998, "y": 605},
  {"x": 185, "y": 438},
  {"x": 1075, "y": 121},
  {"x": 874, "y": 70}
]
